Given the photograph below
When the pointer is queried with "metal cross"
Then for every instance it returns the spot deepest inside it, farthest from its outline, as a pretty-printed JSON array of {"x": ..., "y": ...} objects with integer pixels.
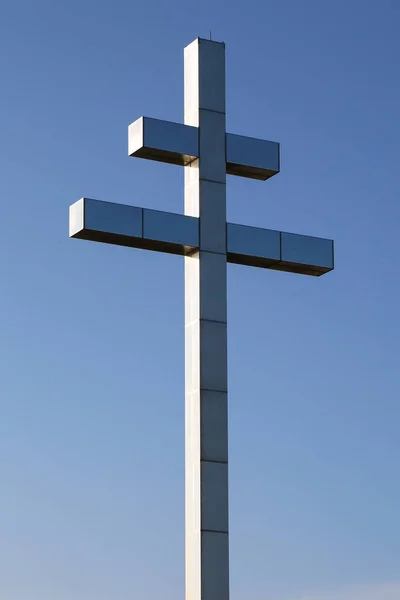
[{"x": 208, "y": 243}]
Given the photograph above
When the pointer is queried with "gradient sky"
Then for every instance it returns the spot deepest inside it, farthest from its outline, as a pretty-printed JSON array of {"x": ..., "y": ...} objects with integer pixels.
[{"x": 91, "y": 345}]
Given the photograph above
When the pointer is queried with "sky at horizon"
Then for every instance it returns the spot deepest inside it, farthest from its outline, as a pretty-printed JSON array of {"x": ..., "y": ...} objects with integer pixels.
[{"x": 91, "y": 350}]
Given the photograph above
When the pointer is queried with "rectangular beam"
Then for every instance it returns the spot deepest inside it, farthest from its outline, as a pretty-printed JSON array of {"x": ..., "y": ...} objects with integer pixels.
[
  {"x": 305, "y": 254},
  {"x": 251, "y": 157},
  {"x": 179, "y": 234},
  {"x": 178, "y": 144},
  {"x": 253, "y": 246},
  {"x": 163, "y": 141},
  {"x": 132, "y": 226},
  {"x": 280, "y": 251},
  {"x": 206, "y": 378}
]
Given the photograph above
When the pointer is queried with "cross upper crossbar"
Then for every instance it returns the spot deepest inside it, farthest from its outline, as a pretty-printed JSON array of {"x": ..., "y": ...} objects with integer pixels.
[
  {"x": 178, "y": 144},
  {"x": 174, "y": 233}
]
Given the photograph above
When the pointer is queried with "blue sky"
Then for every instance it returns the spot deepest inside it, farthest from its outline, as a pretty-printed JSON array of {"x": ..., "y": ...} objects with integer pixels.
[{"x": 91, "y": 346}]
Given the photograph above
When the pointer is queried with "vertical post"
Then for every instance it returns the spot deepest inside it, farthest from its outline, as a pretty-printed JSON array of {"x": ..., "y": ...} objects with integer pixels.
[{"x": 206, "y": 401}]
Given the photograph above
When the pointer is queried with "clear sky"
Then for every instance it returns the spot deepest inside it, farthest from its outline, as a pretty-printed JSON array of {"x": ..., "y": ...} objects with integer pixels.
[{"x": 91, "y": 345}]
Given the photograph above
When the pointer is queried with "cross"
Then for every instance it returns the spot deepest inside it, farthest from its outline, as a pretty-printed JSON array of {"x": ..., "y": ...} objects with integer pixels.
[{"x": 207, "y": 243}]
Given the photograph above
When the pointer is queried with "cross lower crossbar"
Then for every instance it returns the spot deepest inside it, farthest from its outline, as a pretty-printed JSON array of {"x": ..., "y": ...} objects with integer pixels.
[{"x": 144, "y": 228}]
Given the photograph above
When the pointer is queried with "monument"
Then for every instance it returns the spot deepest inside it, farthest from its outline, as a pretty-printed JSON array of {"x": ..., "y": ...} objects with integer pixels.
[{"x": 207, "y": 242}]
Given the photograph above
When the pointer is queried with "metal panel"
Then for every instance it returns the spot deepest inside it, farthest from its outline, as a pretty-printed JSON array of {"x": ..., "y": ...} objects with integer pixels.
[
  {"x": 214, "y": 489},
  {"x": 191, "y": 83},
  {"x": 106, "y": 222},
  {"x": 212, "y": 146},
  {"x": 251, "y": 157},
  {"x": 211, "y": 76},
  {"x": 214, "y": 426},
  {"x": 213, "y": 216},
  {"x": 125, "y": 225},
  {"x": 76, "y": 217},
  {"x": 132, "y": 226},
  {"x": 213, "y": 356},
  {"x": 204, "y": 78},
  {"x": 213, "y": 293},
  {"x": 108, "y": 217},
  {"x": 306, "y": 255},
  {"x": 214, "y": 565},
  {"x": 170, "y": 228},
  {"x": 252, "y": 246},
  {"x": 269, "y": 249},
  {"x": 163, "y": 141}
]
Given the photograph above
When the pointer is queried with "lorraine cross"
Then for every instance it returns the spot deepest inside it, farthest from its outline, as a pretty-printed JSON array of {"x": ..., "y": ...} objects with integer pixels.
[{"x": 208, "y": 243}]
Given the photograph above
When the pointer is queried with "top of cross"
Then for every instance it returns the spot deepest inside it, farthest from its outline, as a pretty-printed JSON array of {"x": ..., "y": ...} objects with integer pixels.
[
  {"x": 203, "y": 144},
  {"x": 178, "y": 144}
]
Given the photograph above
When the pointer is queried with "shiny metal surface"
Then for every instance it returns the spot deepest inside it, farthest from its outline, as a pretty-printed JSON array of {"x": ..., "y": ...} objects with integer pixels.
[
  {"x": 170, "y": 228},
  {"x": 214, "y": 426},
  {"x": 112, "y": 219},
  {"x": 268, "y": 249},
  {"x": 76, "y": 217},
  {"x": 251, "y": 157},
  {"x": 161, "y": 231},
  {"x": 214, "y": 483},
  {"x": 162, "y": 141},
  {"x": 213, "y": 277},
  {"x": 134, "y": 227},
  {"x": 206, "y": 481},
  {"x": 212, "y": 216},
  {"x": 306, "y": 255},
  {"x": 209, "y": 80},
  {"x": 105, "y": 222},
  {"x": 253, "y": 246},
  {"x": 213, "y": 356},
  {"x": 178, "y": 144},
  {"x": 212, "y": 146},
  {"x": 215, "y": 564}
]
